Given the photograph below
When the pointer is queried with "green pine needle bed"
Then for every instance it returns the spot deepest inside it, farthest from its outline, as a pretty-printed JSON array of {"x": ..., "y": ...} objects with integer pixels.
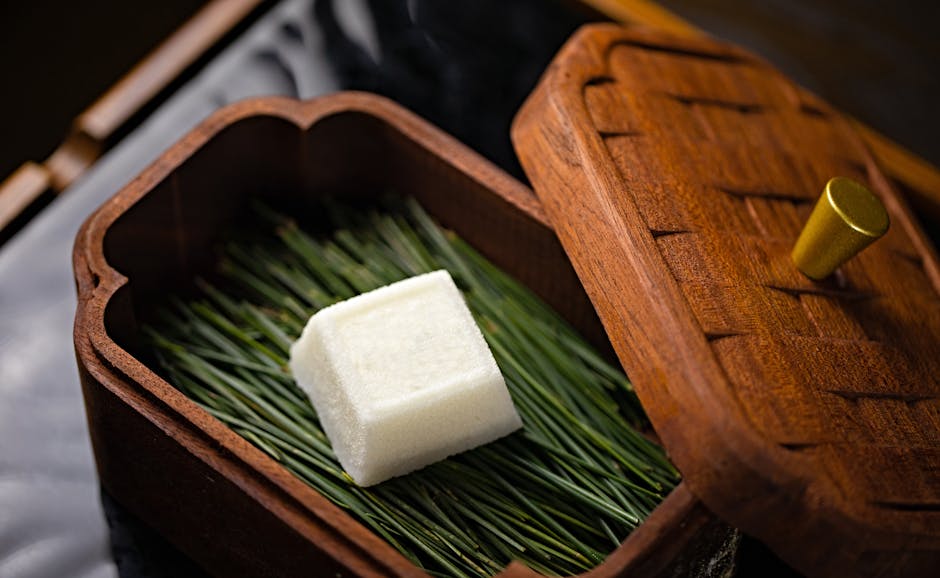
[{"x": 558, "y": 495}]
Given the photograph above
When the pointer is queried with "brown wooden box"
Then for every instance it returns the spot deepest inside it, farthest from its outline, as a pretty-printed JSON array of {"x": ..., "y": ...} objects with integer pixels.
[{"x": 225, "y": 503}]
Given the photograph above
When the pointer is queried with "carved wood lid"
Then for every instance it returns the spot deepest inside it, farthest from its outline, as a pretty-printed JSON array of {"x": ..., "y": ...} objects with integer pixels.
[{"x": 678, "y": 174}]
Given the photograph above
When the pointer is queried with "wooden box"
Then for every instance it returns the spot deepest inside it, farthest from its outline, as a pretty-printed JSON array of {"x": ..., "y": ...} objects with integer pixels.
[
  {"x": 225, "y": 503},
  {"x": 675, "y": 178}
]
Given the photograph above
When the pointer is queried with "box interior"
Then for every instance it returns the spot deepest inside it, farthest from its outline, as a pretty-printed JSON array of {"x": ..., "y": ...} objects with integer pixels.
[{"x": 173, "y": 233}]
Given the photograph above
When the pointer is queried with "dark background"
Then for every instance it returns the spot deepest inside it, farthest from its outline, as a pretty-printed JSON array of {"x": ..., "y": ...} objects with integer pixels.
[{"x": 878, "y": 60}]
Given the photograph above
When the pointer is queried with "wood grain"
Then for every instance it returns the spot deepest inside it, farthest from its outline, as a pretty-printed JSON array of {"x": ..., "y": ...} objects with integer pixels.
[
  {"x": 221, "y": 500},
  {"x": 919, "y": 178},
  {"x": 678, "y": 172}
]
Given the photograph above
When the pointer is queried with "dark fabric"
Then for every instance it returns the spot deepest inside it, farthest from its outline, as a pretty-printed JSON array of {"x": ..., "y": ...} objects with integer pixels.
[{"x": 465, "y": 66}]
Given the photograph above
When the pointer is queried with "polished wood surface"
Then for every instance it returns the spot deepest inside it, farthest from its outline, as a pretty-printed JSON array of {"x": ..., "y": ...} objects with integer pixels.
[
  {"x": 678, "y": 172},
  {"x": 221, "y": 500}
]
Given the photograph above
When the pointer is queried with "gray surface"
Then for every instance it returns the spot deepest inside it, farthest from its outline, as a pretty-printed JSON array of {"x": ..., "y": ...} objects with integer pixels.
[{"x": 50, "y": 516}]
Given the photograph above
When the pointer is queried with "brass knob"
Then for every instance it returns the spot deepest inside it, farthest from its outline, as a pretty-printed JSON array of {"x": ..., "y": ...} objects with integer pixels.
[{"x": 847, "y": 218}]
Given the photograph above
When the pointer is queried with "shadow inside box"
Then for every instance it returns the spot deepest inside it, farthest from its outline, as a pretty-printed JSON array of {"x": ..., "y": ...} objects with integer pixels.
[{"x": 754, "y": 560}]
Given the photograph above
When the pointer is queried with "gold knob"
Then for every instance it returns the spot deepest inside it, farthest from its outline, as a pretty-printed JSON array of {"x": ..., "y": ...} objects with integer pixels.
[{"x": 847, "y": 218}]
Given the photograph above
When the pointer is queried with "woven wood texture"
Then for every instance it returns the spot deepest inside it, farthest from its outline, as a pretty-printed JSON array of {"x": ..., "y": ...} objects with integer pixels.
[{"x": 678, "y": 174}]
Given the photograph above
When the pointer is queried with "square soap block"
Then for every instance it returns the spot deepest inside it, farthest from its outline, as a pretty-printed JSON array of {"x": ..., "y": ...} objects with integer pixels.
[{"x": 401, "y": 377}]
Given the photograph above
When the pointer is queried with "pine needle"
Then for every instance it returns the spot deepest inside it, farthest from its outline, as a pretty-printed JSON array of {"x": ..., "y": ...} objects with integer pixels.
[{"x": 557, "y": 496}]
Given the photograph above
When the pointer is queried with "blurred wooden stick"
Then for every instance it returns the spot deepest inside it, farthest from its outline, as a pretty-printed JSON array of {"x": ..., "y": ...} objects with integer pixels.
[{"x": 20, "y": 190}]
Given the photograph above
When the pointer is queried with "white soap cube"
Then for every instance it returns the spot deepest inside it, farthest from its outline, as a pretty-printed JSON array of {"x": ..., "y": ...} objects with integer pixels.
[{"x": 401, "y": 377}]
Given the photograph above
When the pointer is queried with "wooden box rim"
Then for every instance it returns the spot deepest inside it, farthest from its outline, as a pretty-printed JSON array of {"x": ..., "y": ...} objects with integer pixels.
[{"x": 181, "y": 419}]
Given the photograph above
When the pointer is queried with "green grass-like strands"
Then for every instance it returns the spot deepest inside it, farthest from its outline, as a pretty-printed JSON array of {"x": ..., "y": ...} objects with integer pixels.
[{"x": 558, "y": 496}]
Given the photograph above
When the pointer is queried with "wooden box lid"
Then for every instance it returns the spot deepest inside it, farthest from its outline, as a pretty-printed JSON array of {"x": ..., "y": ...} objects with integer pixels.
[{"x": 678, "y": 174}]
